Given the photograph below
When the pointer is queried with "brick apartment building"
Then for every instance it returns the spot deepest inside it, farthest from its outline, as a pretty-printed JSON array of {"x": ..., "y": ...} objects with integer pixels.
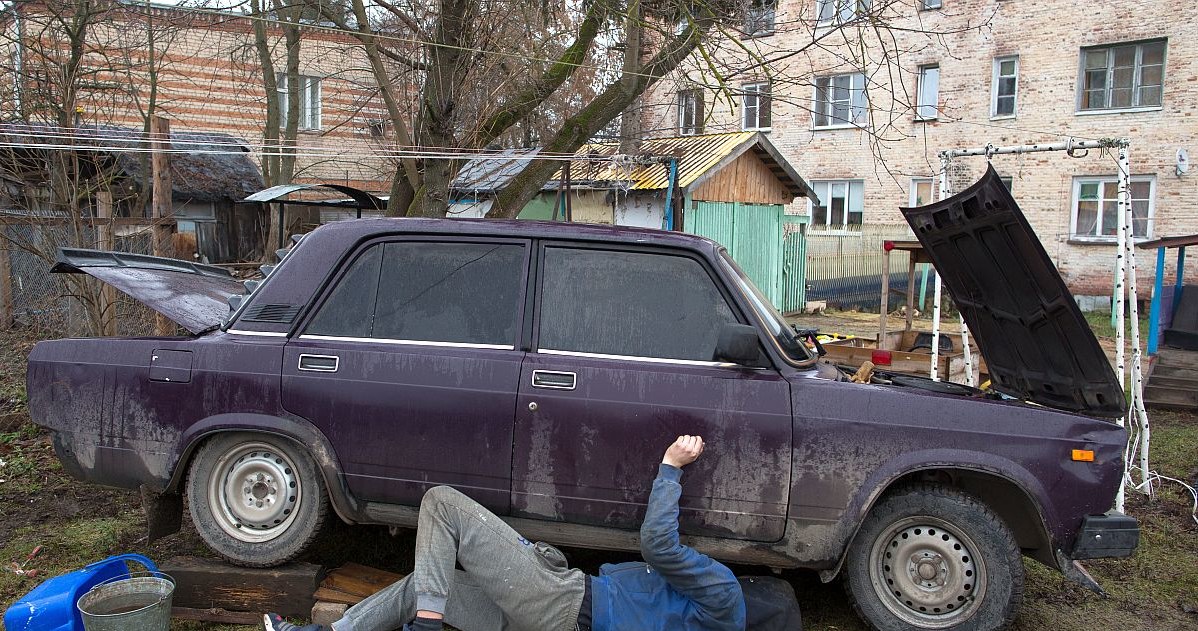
[
  {"x": 1001, "y": 72},
  {"x": 210, "y": 80}
]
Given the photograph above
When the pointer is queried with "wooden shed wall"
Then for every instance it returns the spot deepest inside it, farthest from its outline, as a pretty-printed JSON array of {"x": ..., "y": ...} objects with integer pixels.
[{"x": 747, "y": 179}]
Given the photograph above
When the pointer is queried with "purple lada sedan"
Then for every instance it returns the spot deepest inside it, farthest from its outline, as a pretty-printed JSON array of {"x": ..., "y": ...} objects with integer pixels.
[{"x": 540, "y": 367}]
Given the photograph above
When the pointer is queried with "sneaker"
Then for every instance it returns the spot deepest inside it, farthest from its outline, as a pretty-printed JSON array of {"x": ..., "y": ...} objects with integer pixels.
[{"x": 275, "y": 622}]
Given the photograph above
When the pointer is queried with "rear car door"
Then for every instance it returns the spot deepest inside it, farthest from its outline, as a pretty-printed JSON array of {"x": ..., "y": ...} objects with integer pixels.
[
  {"x": 623, "y": 343},
  {"x": 409, "y": 365}
]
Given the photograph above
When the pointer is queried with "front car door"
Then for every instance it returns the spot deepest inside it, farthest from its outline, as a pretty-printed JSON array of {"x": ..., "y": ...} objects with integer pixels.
[
  {"x": 409, "y": 365},
  {"x": 622, "y": 365}
]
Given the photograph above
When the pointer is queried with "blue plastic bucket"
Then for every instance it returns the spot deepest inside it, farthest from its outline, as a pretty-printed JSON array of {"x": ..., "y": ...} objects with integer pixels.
[{"x": 51, "y": 606}]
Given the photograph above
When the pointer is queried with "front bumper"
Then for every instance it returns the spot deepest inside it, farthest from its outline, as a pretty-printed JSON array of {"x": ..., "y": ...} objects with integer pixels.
[{"x": 1105, "y": 536}]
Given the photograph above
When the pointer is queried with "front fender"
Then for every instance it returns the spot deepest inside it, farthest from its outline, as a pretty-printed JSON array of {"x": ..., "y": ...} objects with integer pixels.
[
  {"x": 306, "y": 435},
  {"x": 884, "y": 478}
]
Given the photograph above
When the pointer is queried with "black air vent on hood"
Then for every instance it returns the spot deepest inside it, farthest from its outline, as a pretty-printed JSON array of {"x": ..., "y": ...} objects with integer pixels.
[
  {"x": 1037, "y": 345},
  {"x": 278, "y": 314}
]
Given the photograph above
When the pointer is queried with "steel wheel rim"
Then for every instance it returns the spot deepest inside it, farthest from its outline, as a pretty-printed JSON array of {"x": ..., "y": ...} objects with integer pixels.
[
  {"x": 254, "y": 492},
  {"x": 927, "y": 572}
]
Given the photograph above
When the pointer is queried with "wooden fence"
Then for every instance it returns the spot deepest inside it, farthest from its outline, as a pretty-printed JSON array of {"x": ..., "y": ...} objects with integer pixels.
[{"x": 844, "y": 267}]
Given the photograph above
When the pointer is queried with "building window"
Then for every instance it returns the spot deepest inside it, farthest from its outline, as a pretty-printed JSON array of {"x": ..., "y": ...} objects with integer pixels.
[
  {"x": 842, "y": 204},
  {"x": 926, "y": 5},
  {"x": 922, "y": 191},
  {"x": 1123, "y": 76},
  {"x": 928, "y": 99},
  {"x": 840, "y": 11},
  {"x": 1096, "y": 207},
  {"x": 1005, "y": 84},
  {"x": 690, "y": 112},
  {"x": 840, "y": 100},
  {"x": 759, "y": 17},
  {"x": 756, "y": 106},
  {"x": 309, "y": 101}
]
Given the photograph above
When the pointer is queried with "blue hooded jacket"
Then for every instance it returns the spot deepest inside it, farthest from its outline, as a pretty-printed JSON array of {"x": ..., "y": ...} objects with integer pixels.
[{"x": 676, "y": 588}]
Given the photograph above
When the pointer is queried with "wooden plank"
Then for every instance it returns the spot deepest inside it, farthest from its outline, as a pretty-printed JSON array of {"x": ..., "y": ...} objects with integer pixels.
[
  {"x": 358, "y": 579},
  {"x": 6, "y": 309},
  {"x": 161, "y": 202},
  {"x": 327, "y": 595},
  {"x": 207, "y": 584},
  {"x": 216, "y": 615},
  {"x": 104, "y": 241}
]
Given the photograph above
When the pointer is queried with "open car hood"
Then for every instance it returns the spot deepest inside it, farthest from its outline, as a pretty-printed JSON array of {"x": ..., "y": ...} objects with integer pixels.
[
  {"x": 1037, "y": 345},
  {"x": 193, "y": 295}
]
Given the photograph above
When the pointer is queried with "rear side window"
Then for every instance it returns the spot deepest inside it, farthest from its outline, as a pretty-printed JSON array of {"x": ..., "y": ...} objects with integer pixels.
[
  {"x": 630, "y": 303},
  {"x": 450, "y": 292},
  {"x": 430, "y": 292}
]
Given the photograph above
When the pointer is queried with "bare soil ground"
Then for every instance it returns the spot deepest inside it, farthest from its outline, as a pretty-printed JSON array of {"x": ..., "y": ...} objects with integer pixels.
[{"x": 79, "y": 523}]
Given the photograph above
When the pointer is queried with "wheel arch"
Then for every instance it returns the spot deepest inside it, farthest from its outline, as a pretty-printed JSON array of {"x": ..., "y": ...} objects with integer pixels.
[
  {"x": 1010, "y": 491},
  {"x": 303, "y": 434}
]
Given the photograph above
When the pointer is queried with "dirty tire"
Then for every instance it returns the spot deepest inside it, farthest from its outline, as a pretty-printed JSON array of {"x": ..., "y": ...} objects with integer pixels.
[
  {"x": 932, "y": 557},
  {"x": 256, "y": 500}
]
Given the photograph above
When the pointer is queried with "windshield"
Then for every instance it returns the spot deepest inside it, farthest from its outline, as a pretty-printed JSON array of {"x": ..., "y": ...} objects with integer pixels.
[{"x": 790, "y": 344}]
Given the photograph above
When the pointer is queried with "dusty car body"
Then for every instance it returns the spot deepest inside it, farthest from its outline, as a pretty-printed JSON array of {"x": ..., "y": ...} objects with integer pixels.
[{"x": 568, "y": 357}]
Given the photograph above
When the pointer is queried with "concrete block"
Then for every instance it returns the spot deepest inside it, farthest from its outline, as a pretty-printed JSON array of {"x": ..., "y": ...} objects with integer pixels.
[{"x": 327, "y": 613}]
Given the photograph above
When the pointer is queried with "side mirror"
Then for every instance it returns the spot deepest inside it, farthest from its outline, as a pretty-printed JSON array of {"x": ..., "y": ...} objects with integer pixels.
[{"x": 738, "y": 344}]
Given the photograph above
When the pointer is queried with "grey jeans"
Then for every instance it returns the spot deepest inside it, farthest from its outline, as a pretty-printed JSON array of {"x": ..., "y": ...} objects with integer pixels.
[{"x": 506, "y": 583}]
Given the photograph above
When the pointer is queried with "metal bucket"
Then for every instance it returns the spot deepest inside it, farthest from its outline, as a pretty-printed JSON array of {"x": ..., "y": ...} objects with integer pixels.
[{"x": 140, "y": 601}]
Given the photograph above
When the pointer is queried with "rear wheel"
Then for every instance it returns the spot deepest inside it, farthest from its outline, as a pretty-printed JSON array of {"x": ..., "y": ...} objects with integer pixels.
[
  {"x": 931, "y": 557},
  {"x": 256, "y": 500}
]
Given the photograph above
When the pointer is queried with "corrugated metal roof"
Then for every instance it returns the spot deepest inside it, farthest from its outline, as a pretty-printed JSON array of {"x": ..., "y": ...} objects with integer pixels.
[
  {"x": 696, "y": 155},
  {"x": 487, "y": 175}
]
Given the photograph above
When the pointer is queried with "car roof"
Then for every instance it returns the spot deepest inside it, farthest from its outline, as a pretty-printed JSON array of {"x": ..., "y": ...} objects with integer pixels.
[{"x": 365, "y": 228}]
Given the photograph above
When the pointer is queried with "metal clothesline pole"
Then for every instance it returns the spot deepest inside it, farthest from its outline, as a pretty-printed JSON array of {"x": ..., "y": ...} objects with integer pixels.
[
  {"x": 991, "y": 150},
  {"x": 934, "y": 369}
]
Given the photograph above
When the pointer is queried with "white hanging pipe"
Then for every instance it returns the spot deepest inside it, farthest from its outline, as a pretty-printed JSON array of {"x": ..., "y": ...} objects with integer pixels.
[
  {"x": 969, "y": 379},
  {"x": 934, "y": 370},
  {"x": 1056, "y": 146},
  {"x": 1137, "y": 413},
  {"x": 1120, "y": 326}
]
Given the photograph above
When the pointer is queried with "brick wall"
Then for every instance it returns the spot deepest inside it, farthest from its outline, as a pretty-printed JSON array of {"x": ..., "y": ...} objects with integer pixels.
[
  {"x": 1048, "y": 37},
  {"x": 209, "y": 79}
]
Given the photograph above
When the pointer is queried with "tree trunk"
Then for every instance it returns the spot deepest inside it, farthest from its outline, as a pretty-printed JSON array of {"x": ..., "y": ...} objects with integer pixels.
[{"x": 582, "y": 126}]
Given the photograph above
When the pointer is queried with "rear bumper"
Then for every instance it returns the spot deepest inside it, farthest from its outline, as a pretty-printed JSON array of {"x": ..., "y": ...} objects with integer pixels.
[{"x": 1104, "y": 536}]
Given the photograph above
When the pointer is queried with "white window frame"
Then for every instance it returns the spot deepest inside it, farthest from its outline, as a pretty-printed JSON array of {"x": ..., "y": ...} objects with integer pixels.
[
  {"x": 310, "y": 108},
  {"x": 925, "y": 110},
  {"x": 996, "y": 78},
  {"x": 761, "y": 16},
  {"x": 1136, "y": 86},
  {"x": 755, "y": 90},
  {"x": 824, "y": 108},
  {"x": 839, "y": 9},
  {"x": 928, "y": 5},
  {"x": 695, "y": 126},
  {"x": 1101, "y": 180},
  {"x": 915, "y": 182},
  {"x": 826, "y": 186}
]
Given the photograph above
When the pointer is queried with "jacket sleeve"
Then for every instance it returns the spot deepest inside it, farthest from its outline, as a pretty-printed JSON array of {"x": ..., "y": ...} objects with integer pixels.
[{"x": 705, "y": 581}]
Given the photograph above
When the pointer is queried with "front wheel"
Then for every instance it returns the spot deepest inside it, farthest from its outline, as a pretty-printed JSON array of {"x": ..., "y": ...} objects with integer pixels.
[
  {"x": 256, "y": 500},
  {"x": 931, "y": 557}
]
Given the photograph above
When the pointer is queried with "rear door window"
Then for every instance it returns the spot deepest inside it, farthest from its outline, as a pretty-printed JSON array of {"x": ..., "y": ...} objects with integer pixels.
[
  {"x": 427, "y": 291},
  {"x": 632, "y": 304}
]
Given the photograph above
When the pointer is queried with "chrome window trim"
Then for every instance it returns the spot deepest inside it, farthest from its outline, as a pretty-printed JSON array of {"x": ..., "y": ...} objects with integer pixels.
[
  {"x": 258, "y": 333},
  {"x": 381, "y": 340},
  {"x": 651, "y": 360}
]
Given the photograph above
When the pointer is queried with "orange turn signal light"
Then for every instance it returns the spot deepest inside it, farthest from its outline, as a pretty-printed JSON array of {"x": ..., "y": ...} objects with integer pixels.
[{"x": 1083, "y": 455}]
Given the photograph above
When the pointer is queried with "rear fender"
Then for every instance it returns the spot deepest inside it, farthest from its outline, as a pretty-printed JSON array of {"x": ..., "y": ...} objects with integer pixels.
[
  {"x": 908, "y": 464},
  {"x": 304, "y": 434}
]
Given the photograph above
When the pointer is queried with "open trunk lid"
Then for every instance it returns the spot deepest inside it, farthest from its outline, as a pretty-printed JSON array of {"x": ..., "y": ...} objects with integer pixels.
[
  {"x": 193, "y": 295},
  {"x": 1037, "y": 345}
]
